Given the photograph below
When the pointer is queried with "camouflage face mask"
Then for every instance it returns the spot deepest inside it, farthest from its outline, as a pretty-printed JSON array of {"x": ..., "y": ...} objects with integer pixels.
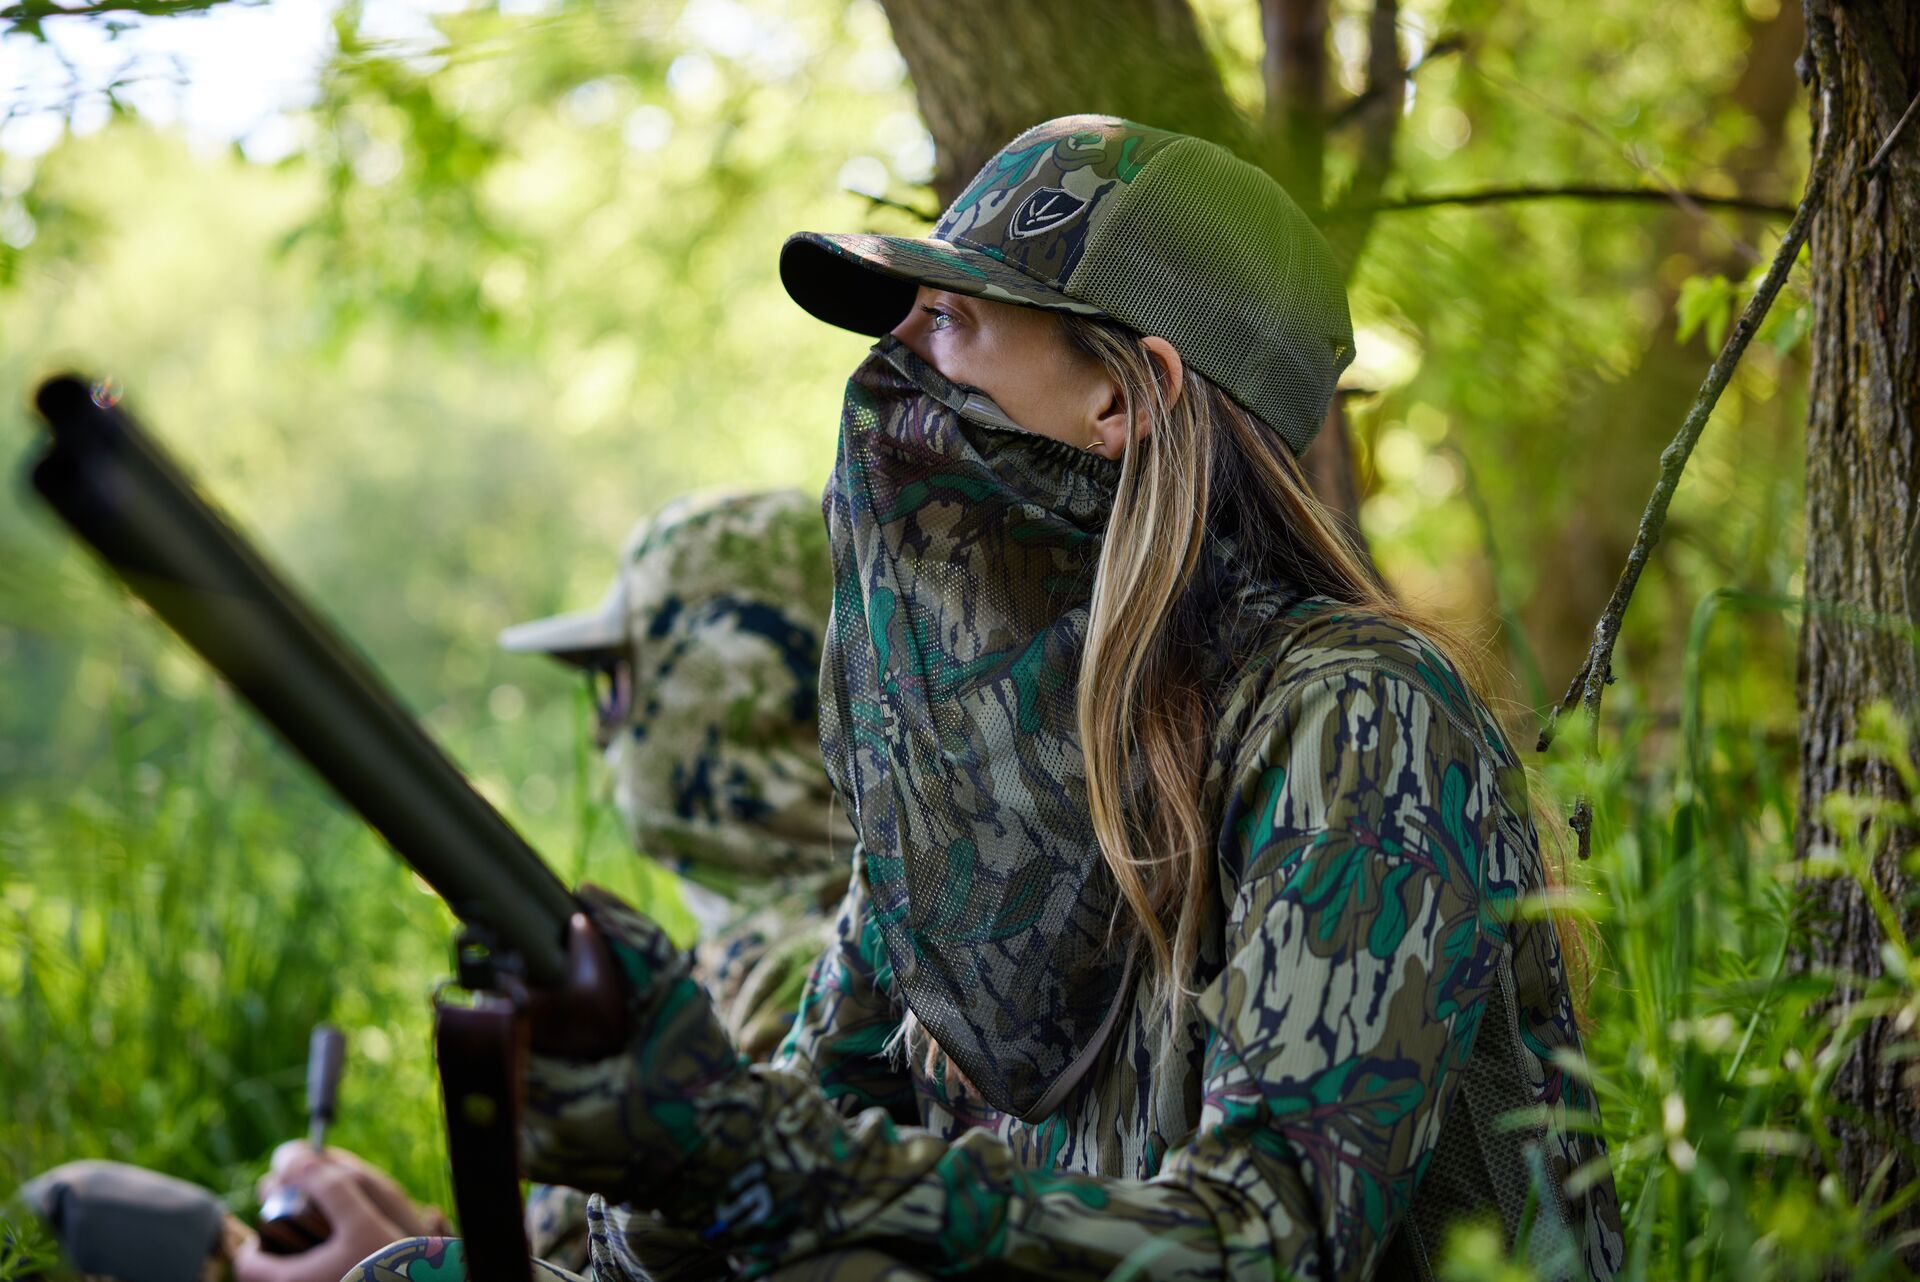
[{"x": 964, "y": 550}]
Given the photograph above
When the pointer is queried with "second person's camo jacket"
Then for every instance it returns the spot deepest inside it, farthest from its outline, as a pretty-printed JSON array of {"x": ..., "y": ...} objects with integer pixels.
[{"x": 1378, "y": 1052}]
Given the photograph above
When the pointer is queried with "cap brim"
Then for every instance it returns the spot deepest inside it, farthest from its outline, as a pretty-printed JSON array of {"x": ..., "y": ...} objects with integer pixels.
[
  {"x": 567, "y": 637},
  {"x": 866, "y": 283}
]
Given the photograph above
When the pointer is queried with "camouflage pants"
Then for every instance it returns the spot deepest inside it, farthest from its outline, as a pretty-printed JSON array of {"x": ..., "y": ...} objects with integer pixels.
[{"x": 441, "y": 1259}]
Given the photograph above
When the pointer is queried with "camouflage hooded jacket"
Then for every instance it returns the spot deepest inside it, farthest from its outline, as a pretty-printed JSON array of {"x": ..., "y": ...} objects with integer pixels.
[{"x": 1377, "y": 1052}]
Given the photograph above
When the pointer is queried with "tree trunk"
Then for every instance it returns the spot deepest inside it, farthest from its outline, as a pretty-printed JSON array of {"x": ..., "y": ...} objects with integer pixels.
[
  {"x": 1294, "y": 72},
  {"x": 984, "y": 70},
  {"x": 1328, "y": 463},
  {"x": 1863, "y": 531}
]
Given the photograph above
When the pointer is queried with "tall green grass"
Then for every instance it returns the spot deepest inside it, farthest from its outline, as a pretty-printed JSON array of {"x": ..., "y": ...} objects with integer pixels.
[
  {"x": 180, "y": 906},
  {"x": 1712, "y": 1056}
]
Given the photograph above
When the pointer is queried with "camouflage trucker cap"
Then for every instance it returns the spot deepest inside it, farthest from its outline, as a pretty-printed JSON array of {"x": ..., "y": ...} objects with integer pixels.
[{"x": 1167, "y": 234}]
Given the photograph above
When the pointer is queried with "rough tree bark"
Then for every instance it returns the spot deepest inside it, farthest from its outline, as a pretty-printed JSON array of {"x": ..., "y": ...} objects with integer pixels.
[
  {"x": 1863, "y": 527},
  {"x": 1294, "y": 75},
  {"x": 983, "y": 70}
]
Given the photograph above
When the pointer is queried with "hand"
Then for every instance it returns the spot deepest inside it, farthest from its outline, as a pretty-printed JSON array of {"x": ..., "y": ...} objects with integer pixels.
[
  {"x": 296, "y": 1156},
  {"x": 585, "y": 1015},
  {"x": 363, "y": 1204},
  {"x": 625, "y": 1123}
]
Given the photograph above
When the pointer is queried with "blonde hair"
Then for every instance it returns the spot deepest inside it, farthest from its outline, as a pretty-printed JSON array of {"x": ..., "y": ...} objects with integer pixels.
[{"x": 1205, "y": 467}]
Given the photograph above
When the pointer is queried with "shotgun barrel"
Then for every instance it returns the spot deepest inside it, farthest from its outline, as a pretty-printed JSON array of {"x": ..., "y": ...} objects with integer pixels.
[{"x": 118, "y": 490}]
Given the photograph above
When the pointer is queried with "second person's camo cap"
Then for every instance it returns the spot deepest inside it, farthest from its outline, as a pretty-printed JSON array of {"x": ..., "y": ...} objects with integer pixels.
[
  {"x": 1168, "y": 234},
  {"x": 719, "y": 607}
]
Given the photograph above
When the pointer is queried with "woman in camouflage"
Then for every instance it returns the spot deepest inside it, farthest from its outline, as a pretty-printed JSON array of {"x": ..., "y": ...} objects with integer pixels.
[
  {"x": 704, "y": 657},
  {"x": 1182, "y": 939}
]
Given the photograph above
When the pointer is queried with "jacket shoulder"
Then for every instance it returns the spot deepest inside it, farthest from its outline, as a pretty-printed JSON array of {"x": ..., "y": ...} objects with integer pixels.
[
  {"x": 1347, "y": 697},
  {"x": 1317, "y": 639}
]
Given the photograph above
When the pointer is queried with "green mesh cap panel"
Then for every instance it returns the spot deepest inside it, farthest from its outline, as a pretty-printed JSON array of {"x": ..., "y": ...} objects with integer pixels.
[
  {"x": 1211, "y": 254},
  {"x": 1165, "y": 233}
]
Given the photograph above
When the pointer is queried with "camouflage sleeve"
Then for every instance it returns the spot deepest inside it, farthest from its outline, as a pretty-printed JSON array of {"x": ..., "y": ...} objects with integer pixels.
[
  {"x": 1359, "y": 954},
  {"x": 1363, "y": 941},
  {"x": 847, "y": 1014},
  {"x": 556, "y": 1222}
]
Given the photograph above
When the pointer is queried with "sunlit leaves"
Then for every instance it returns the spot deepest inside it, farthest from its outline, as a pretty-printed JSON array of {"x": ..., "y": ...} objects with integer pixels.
[{"x": 1709, "y": 301}]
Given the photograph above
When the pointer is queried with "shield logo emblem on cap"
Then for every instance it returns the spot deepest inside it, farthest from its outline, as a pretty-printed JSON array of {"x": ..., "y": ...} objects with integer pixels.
[{"x": 1044, "y": 210}]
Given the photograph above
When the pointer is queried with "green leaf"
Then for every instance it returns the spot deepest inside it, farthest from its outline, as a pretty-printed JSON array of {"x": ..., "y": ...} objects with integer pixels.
[
  {"x": 1786, "y": 327},
  {"x": 1704, "y": 300}
]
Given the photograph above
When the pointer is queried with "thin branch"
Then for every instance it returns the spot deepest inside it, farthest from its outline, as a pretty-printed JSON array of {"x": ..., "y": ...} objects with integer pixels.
[
  {"x": 1893, "y": 136},
  {"x": 887, "y": 202},
  {"x": 28, "y": 14},
  {"x": 1354, "y": 107},
  {"x": 1576, "y": 191},
  {"x": 1590, "y": 682}
]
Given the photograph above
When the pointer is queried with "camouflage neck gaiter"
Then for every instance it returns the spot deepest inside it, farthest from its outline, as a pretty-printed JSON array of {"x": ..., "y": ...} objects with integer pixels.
[{"x": 964, "y": 550}]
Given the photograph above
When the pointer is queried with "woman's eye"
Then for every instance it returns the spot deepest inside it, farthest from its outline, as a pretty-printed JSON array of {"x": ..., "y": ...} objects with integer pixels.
[{"x": 940, "y": 319}]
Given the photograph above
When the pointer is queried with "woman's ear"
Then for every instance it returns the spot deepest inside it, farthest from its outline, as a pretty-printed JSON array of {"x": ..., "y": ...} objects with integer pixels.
[
  {"x": 1109, "y": 419},
  {"x": 1168, "y": 367}
]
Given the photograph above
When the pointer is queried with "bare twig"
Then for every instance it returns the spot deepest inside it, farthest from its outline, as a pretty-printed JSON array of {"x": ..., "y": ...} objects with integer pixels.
[
  {"x": 888, "y": 202},
  {"x": 1352, "y": 108},
  {"x": 1893, "y": 136},
  {"x": 1577, "y": 191},
  {"x": 1590, "y": 682},
  {"x": 27, "y": 15}
]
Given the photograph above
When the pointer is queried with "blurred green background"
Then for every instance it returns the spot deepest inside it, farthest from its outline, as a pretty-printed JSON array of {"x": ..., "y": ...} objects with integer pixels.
[{"x": 504, "y": 282}]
